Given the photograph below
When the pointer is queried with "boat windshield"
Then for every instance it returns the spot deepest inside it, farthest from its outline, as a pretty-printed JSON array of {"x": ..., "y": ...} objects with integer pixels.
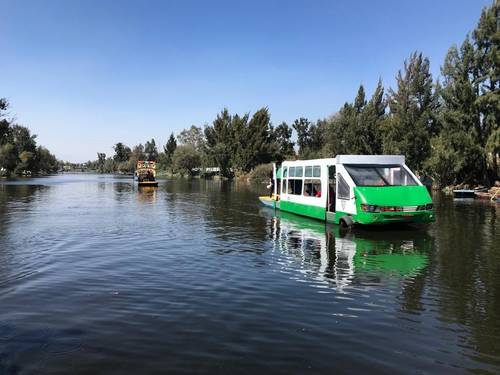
[{"x": 380, "y": 175}]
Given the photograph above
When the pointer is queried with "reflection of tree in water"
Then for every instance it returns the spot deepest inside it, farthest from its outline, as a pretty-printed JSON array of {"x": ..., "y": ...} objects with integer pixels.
[
  {"x": 467, "y": 267},
  {"x": 232, "y": 214},
  {"x": 12, "y": 195},
  {"x": 16, "y": 200}
]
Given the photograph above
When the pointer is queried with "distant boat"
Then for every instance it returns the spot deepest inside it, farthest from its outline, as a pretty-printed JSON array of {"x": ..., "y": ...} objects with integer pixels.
[
  {"x": 145, "y": 173},
  {"x": 464, "y": 193}
]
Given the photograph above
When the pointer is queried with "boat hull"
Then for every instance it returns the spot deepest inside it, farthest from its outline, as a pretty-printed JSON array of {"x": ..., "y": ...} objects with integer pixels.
[{"x": 148, "y": 183}]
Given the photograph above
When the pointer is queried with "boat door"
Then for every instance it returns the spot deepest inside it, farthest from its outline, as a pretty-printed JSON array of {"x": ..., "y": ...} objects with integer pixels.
[
  {"x": 344, "y": 193},
  {"x": 332, "y": 187}
]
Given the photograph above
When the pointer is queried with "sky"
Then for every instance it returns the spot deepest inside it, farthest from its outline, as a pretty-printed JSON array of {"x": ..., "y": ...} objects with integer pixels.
[{"x": 84, "y": 75}]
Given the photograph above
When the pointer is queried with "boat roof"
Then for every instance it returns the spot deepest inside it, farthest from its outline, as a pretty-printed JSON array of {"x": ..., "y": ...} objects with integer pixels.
[
  {"x": 351, "y": 159},
  {"x": 370, "y": 159}
]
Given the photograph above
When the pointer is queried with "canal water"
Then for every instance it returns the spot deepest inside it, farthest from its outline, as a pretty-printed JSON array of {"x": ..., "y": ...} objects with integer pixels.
[{"x": 100, "y": 277}]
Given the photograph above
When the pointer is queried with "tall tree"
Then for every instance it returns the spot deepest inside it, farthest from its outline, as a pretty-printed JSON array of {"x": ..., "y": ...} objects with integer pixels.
[
  {"x": 301, "y": 127},
  {"x": 219, "y": 143},
  {"x": 260, "y": 147},
  {"x": 150, "y": 150},
  {"x": 411, "y": 117},
  {"x": 486, "y": 38},
  {"x": 138, "y": 152},
  {"x": 283, "y": 138},
  {"x": 122, "y": 152},
  {"x": 169, "y": 149},
  {"x": 193, "y": 136},
  {"x": 371, "y": 121},
  {"x": 101, "y": 159}
]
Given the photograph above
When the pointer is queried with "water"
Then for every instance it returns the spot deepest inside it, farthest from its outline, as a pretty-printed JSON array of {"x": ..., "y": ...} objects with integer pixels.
[{"x": 99, "y": 277}]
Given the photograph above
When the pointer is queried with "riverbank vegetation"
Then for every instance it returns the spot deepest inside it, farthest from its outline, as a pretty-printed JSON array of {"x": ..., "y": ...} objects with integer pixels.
[
  {"x": 19, "y": 152},
  {"x": 448, "y": 128}
]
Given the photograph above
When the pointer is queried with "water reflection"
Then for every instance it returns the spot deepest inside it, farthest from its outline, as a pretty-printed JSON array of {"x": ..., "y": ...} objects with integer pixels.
[
  {"x": 338, "y": 259},
  {"x": 146, "y": 194}
]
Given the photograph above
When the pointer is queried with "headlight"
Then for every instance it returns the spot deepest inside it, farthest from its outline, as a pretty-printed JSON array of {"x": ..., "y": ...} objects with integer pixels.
[
  {"x": 429, "y": 206},
  {"x": 369, "y": 208}
]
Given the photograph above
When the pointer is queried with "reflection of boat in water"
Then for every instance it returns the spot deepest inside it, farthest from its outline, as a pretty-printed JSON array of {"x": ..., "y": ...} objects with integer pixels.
[
  {"x": 145, "y": 173},
  {"x": 147, "y": 194},
  {"x": 330, "y": 255}
]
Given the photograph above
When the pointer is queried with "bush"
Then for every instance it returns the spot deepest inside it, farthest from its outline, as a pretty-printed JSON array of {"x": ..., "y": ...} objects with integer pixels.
[
  {"x": 262, "y": 172},
  {"x": 185, "y": 159}
]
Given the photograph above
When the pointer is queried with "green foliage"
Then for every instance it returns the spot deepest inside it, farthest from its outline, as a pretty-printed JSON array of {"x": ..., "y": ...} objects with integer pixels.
[
  {"x": 452, "y": 157},
  {"x": 185, "y": 159},
  {"x": 193, "y": 136},
  {"x": 101, "y": 159},
  {"x": 150, "y": 150},
  {"x": 262, "y": 172},
  {"x": 122, "y": 153},
  {"x": 239, "y": 143},
  {"x": 411, "y": 118},
  {"x": 470, "y": 103},
  {"x": 356, "y": 128},
  {"x": 284, "y": 144},
  {"x": 219, "y": 144},
  {"x": 169, "y": 149},
  {"x": 19, "y": 153}
]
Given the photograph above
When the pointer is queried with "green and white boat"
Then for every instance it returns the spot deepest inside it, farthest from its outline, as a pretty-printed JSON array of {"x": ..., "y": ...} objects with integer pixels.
[{"x": 351, "y": 189}]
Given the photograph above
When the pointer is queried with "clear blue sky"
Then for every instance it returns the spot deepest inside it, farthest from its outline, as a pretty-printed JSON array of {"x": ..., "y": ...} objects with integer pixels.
[{"x": 84, "y": 75}]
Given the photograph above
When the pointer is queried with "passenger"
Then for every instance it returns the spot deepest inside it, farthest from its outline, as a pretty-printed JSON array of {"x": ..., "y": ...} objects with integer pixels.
[
  {"x": 318, "y": 194},
  {"x": 270, "y": 186}
]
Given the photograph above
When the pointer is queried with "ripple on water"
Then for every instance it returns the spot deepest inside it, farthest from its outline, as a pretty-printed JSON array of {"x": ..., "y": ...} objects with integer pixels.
[{"x": 99, "y": 277}]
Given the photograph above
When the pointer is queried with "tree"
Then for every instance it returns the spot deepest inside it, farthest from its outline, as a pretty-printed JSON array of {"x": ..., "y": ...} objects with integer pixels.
[
  {"x": 46, "y": 162},
  {"x": 185, "y": 159},
  {"x": 8, "y": 157},
  {"x": 151, "y": 151},
  {"x": 138, "y": 152},
  {"x": 193, "y": 136},
  {"x": 370, "y": 123},
  {"x": 486, "y": 79},
  {"x": 169, "y": 148},
  {"x": 101, "y": 159},
  {"x": 412, "y": 108},
  {"x": 253, "y": 139},
  {"x": 283, "y": 138},
  {"x": 18, "y": 149},
  {"x": 301, "y": 126},
  {"x": 219, "y": 143},
  {"x": 122, "y": 152}
]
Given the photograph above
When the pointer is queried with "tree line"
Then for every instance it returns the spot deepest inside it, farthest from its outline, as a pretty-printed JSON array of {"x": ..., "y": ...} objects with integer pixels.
[
  {"x": 19, "y": 152},
  {"x": 448, "y": 128}
]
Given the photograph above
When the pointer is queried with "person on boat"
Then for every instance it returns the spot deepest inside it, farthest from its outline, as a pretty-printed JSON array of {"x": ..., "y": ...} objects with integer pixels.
[{"x": 270, "y": 186}]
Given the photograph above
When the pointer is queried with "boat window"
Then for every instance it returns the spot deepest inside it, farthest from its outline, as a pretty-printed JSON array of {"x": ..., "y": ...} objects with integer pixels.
[
  {"x": 298, "y": 171},
  {"x": 312, "y": 188},
  {"x": 285, "y": 169},
  {"x": 292, "y": 172},
  {"x": 308, "y": 172},
  {"x": 284, "y": 182},
  {"x": 317, "y": 171},
  {"x": 343, "y": 191},
  {"x": 295, "y": 186},
  {"x": 380, "y": 175}
]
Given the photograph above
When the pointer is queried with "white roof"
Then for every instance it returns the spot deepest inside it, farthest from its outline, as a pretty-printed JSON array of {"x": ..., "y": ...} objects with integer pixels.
[
  {"x": 370, "y": 159},
  {"x": 351, "y": 159}
]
